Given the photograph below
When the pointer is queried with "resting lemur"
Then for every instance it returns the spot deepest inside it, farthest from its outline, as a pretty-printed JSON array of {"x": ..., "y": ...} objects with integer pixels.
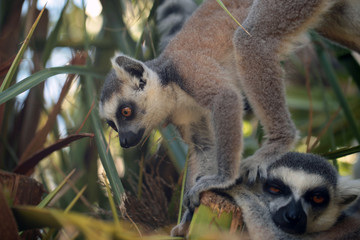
[
  {"x": 198, "y": 80},
  {"x": 303, "y": 197}
]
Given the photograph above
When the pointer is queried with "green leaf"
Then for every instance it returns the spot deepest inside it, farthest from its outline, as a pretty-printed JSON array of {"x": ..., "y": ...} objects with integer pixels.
[
  {"x": 332, "y": 79},
  {"x": 206, "y": 221},
  {"x": 341, "y": 152},
  {"x": 227, "y": 11},
  {"x": 174, "y": 143},
  {"x": 51, "y": 195},
  {"x": 41, "y": 76},
  {"x": 104, "y": 153}
]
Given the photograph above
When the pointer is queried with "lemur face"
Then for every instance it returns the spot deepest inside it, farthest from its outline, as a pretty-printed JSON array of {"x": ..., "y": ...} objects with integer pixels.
[
  {"x": 305, "y": 193},
  {"x": 133, "y": 101},
  {"x": 297, "y": 199}
]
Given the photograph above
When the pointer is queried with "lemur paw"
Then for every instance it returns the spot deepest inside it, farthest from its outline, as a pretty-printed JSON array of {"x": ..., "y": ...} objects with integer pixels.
[
  {"x": 182, "y": 228},
  {"x": 255, "y": 167},
  {"x": 192, "y": 197}
]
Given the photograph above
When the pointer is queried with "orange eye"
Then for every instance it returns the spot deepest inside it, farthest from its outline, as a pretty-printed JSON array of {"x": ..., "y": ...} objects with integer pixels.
[
  {"x": 126, "y": 112},
  {"x": 318, "y": 199},
  {"x": 274, "y": 189}
]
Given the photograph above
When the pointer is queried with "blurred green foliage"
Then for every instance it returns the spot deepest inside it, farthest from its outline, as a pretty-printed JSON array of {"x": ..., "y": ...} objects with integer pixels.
[{"x": 323, "y": 96}]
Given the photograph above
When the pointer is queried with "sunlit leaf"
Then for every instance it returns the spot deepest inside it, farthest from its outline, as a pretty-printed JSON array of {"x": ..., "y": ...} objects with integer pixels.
[{"x": 41, "y": 76}]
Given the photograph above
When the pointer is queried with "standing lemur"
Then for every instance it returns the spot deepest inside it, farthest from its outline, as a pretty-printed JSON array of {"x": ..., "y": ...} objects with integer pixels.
[{"x": 198, "y": 81}]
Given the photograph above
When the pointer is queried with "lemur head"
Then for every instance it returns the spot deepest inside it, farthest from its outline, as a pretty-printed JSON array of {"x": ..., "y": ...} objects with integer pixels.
[
  {"x": 303, "y": 193},
  {"x": 133, "y": 101},
  {"x": 306, "y": 194}
]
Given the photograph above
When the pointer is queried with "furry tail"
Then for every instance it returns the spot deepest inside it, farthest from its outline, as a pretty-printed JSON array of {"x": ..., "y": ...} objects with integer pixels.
[{"x": 171, "y": 15}]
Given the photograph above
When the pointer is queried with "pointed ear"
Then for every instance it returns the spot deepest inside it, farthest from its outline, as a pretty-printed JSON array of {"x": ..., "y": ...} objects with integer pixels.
[
  {"x": 348, "y": 190},
  {"x": 125, "y": 66}
]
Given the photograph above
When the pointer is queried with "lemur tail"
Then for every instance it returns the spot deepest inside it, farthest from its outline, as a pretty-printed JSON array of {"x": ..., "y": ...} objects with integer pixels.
[{"x": 171, "y": 15}]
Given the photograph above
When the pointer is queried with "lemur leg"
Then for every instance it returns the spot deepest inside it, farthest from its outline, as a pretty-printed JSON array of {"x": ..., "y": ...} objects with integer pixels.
[
  {"x": 273, "y": 25},
  {"x": 226, "y": 111},
  {"x": 201, "y": 162}
]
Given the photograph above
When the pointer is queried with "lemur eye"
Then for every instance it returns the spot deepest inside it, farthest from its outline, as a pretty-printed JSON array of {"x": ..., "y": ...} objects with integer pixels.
[
  {"x": 111, "y": 124},
  {"x": 318, "y": 199},
  {"x": 126, "y": 112},
  {"x": 274, "y": 189}
]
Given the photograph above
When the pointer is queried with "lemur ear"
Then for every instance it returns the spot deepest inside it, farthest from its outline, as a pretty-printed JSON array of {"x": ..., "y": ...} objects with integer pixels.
[
  {"x": 348, "y": 190},
  {"x": 125, "y": 66}
]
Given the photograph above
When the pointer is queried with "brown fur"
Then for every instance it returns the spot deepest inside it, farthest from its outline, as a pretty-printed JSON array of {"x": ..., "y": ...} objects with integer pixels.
[{"x": 202, "y": 73}]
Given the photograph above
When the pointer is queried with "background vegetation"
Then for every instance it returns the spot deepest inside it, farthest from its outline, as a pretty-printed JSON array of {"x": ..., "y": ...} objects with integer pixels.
[{"x": 49, "y": 121}]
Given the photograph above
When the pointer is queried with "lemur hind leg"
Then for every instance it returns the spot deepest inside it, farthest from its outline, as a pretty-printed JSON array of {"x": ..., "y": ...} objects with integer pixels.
[{"x": 273, "y": 25}]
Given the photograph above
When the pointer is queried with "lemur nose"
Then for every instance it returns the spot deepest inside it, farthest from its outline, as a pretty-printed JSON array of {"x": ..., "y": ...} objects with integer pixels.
[
  {"x": 292, "y": 216},
  {"x": 124, "y": 143},
  {"x": 130, "y": 139}
]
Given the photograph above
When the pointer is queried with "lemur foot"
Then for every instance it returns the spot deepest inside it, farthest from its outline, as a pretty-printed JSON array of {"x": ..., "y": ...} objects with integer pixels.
[
  {"x": 182, "y": 228},
  {"x": 255, "y": 167},
  {"x": 192, "y": 197}
]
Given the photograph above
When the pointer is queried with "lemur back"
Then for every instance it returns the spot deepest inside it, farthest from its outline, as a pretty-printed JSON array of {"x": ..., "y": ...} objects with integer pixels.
[{"x": 198, "y": 81}]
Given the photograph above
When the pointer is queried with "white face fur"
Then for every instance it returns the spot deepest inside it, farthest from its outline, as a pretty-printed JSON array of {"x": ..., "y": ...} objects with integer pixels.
[{"x": 317, "y": 197}]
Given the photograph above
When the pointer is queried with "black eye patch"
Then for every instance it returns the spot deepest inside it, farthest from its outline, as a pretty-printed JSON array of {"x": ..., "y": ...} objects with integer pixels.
[
  {"x": 318, "y": 197},
  {"x": 142, "y": 84},
  {"x": 111, "y": 124},
  {"x": 126, "y": 112},
  {"x": 276, "y": 187}
]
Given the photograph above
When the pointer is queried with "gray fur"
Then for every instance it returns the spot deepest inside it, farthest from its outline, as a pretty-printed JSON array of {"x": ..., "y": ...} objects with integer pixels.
[
  {"x": 202, "y": 72},
  {"x": 110, "y": 87},
  {"x": 258, "y": 206},
  {"x": 309, "y": 163},
  {"x": 171, "y": 16},
  {"x": 167, "y": 71}
]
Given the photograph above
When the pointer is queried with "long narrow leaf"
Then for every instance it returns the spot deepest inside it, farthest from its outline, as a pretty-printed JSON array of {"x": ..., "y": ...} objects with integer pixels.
[
  {"x": 70, "y": 206},
  {"x": 9, "y": 76},
  {"x": 41, "y": 76},
  {"x": 51, "y": 195},
  {"x": 227, "y": 11},
  {"x": 341, "y": 152},
  {"x": 352, "y": 66},
  {"x": 332, "y": 79},
  {"x": 182, "y": 190},
  {"x": 177, "y": 148},
  {"x": 105, "y": 155},
  {"x": 31, "y": 162},
  {"x": 111, "y": 201}
]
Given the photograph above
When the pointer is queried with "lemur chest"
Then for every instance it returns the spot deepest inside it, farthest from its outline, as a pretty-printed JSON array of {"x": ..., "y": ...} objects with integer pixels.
[{"x": 187, "y": 111}]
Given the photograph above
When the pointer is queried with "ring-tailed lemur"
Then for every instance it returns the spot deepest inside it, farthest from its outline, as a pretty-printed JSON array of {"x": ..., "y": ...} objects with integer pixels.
[
  {"x": 196, "y": 84},
  {"x": 302, "y": 198}
]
